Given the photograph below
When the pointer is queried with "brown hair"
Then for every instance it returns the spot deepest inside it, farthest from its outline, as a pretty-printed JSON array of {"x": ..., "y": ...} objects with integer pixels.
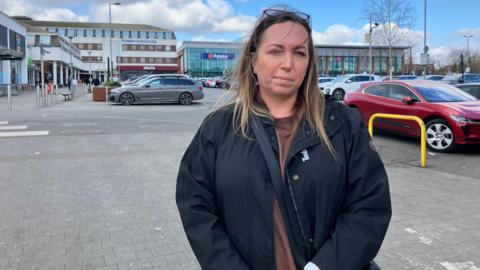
[{"x": 310, "y": 102}]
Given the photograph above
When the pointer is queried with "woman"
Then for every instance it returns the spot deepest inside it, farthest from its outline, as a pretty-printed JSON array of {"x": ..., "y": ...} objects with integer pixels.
[{"x": 332, "y": 207}]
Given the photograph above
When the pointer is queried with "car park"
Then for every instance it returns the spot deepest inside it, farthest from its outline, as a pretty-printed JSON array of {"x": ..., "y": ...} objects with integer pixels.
[
  {"x": 346, "y": 84},
  {"x": 160, "y": 89},
  {"x": 451, "y": 116},
  {"x": 471, "y": 88}
]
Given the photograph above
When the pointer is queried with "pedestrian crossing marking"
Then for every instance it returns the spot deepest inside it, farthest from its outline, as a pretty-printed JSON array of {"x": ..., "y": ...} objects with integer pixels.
[
  {"x": 12, "y": 127},
  {"x": 23, "y": 134},
  {"x": 3, "y": 122}
]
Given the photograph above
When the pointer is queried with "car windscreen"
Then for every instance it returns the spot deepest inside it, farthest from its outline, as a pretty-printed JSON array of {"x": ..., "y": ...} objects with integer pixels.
[{"x": 443, "y": 93}]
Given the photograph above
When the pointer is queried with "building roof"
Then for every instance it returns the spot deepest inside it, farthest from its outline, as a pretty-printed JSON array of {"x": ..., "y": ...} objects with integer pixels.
[
  {"x": 317, "y": 46},
  {"x": 115, "y": 26}
]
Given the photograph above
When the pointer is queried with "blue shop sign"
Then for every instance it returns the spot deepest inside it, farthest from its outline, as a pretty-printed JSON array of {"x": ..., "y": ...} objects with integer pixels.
[{"x": 218, "y": 56}]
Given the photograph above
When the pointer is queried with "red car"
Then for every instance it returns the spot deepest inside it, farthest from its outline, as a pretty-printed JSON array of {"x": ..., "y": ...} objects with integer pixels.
[{"x": 451, "y": 116}]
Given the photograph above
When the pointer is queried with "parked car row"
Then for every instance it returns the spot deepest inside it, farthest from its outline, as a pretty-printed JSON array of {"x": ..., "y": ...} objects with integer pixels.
[
  {"x": 451, "y": 116},
  {"x": 337, "y": 87},
  {"x": 215, "y": 82},
  {"x": 158, "y": 88}
]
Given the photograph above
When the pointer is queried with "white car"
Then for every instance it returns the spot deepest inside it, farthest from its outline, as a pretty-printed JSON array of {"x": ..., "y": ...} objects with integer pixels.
[{"x": 346, "y": 84}]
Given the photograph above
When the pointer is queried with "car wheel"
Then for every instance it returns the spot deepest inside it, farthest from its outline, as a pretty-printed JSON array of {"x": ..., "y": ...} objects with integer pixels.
[
  {"x": 440, "y": 136},
  {"x": 338, "y": 94},
  {"x": 185, "y": 98},
  {"x": 127, "y": 99}
]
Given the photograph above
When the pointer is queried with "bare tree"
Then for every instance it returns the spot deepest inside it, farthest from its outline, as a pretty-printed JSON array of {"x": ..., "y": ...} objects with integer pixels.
[{"x": 395, "y": 18}]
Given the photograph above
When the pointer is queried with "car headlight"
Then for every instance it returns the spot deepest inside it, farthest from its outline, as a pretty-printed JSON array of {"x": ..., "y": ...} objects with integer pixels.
[
  {"x": 458, "y": 118},
  {"x": 327, "y": 91}
]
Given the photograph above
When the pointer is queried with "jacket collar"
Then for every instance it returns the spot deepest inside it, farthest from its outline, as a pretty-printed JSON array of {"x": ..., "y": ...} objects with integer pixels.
[{"x": 332, "y": 120}]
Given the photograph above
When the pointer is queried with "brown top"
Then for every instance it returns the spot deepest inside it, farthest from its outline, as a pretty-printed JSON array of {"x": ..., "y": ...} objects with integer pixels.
[{"x": 283, "y": 254}]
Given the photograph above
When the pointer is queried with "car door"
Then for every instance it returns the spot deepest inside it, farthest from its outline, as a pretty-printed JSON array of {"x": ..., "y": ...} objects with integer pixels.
[
  {"x": 143, "y": 92},
  {"x": 396, "y": 92},
  {"x": 374, "y": 101},
  {"x": 156, "y": 90},
  {"x": 352, "y": 84},
  {"x": 172, "y": 89}
]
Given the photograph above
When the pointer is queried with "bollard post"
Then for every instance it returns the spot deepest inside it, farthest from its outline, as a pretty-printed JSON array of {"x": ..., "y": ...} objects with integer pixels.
[
  {"x": 37, "y": 96},
  {"x": 9, "y": 98},
  {"x": 106, "y": 93}
]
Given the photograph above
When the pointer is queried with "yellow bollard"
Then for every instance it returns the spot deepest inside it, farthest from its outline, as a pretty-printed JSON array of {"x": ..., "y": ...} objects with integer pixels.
[{"x": 423, "y": 141}]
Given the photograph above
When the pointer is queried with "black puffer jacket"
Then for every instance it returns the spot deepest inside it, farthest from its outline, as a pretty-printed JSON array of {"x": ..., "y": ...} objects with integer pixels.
[{"x": 225, "y": 195}]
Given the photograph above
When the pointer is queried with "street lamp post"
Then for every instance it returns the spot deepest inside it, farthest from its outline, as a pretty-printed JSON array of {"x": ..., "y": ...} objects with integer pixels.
[
  {"x": 375, "y": 25},
  {"x": 468, "y": 47},
  {"x": 89, "y": 70},
  {"x": 111, "y": 30},
  {"x": 425, "y": 48},
  {"x": 70, "y": 77}
]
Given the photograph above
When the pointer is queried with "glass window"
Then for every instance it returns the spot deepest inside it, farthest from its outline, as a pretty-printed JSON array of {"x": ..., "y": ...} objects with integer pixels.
[
  {"x": 377, "y": 90},
  {"x": 116, "y": 33},
  {"x": 84, "y": 32},
  {"x": 138, "y": 34},
  {"x": 398, "y": 92},
  {"x": 156, "y": 82},
  {"x": 70, "y": 33},
  {"x": 121, "y": 34},
  {"x": 129, "y": 34},
  {"x": 45, "y": 40},
  {"x": 94, "y": 32},
  {"x": 156, "y": 35},
  {"x": 143, "y": 34},
  {"x": 186, "y": 82},
  {"x": 471, "y": 89},
  {"x": 172, "y": 81},
  {"x": 442, "y": 93},
  {"x": 147, "y": 35},
  {"x": 89, "y": 33}
]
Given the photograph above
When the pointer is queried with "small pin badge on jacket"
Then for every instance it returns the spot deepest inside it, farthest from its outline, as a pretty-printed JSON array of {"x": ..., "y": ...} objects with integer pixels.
[{"x": 305, "y": 155}]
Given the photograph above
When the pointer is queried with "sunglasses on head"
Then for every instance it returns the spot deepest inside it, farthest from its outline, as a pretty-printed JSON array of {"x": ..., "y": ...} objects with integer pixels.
[{"x": 271, "y": 12}]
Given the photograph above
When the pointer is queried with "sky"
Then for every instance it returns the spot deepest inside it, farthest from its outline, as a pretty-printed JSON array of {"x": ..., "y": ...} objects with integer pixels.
[{"x": 333, "y": 22}]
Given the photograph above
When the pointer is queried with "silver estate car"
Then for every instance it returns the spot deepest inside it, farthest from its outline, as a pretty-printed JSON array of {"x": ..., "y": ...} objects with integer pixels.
[{"x": 160, "y": 89}]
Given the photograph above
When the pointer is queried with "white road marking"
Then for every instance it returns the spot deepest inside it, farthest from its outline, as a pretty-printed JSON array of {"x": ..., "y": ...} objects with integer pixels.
[
  {"x": 459, "y": 266},
  {"x": 3, "y": 122},
  {"x": 12, "y": 127},
  {"x": 79, "y": 124},
  {"x": 410, "y": 231},
  {"x": 23, "y": 134},
  {"x": 425, "y": 240}
]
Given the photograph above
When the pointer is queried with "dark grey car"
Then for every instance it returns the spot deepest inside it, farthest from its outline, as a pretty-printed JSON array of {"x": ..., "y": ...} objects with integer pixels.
[
  {"x": 471, "y": 88},
  {"x": 162, "y": 89}
]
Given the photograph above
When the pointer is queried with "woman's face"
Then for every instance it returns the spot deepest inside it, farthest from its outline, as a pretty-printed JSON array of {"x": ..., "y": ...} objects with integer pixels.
[{"x": 281, "y": 60}]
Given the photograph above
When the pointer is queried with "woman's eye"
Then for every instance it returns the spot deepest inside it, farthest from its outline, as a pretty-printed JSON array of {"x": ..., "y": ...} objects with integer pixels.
[
  {"x": 274, "y": 52},
  {"x": 301, "y": 53}
]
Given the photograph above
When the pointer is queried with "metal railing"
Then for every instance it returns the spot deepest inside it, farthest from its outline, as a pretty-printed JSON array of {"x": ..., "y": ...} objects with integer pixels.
[{"x": 423, "y": 146}]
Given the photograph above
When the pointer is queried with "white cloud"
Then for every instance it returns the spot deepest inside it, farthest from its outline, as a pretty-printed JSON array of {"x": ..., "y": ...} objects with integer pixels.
[
  {"x": 40, "y": 12},
  {"x": 468, "y": 31},
  {"x": 191, "y": 16},
  {"x": 204, "y": 38}
]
